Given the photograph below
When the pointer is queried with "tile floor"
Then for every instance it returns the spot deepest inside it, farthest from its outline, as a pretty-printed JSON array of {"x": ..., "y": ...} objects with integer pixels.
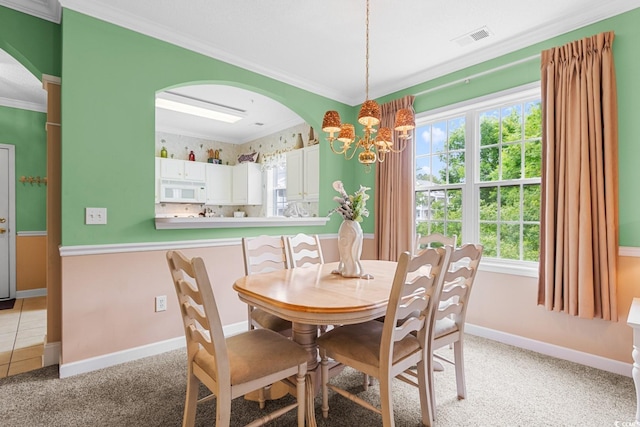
[{"x": 22, "y": 331}]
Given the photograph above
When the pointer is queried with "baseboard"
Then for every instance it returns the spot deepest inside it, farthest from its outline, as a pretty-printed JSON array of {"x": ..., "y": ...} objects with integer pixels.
[
  {"x": 112, "y": 359},
  {"x": 32, "y": 293},
  {"x": 51, "y": 354},
  {"x": 552, "y": 350}
]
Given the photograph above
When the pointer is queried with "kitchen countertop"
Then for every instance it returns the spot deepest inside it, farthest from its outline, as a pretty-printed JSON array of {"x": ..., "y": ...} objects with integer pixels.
[{"x": 228, "y": 222}]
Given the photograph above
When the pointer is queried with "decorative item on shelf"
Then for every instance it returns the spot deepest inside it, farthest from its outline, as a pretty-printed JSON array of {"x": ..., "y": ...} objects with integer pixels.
[
  {"x": 248, "y": 158},
  {"x": 352, "y": 208},
  {"x": 312, "y": 137},
  {"x": 299, "y": 142},
  {"x": 163, "y": 152},
  {"x": 32, "y": 179},
  {"x": 214, "y": 156},
  {"x": 374, "y": 148},
  {"x": 192, "y": 156}
]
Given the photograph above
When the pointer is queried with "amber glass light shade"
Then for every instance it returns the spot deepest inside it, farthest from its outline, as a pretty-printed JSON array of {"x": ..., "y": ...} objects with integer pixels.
[
  {"x": 405, "y": 120},
  {"x": 331, "y": 122},
  {"x": 384, "y": 138},
  {"x": 369, "y": 114},
  {"x": 347, "y": 133}
]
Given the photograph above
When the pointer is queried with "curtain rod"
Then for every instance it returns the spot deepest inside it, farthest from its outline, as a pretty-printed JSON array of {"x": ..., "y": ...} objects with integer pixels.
[{"x": 473, "y": 76}]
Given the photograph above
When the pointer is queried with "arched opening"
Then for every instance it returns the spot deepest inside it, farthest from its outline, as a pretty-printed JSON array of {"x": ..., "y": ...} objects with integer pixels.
[{"x": 235, "y": 142}]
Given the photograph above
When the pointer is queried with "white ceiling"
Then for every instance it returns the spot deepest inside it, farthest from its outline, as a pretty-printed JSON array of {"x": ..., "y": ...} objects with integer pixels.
[{"x": 320, "y": 45}]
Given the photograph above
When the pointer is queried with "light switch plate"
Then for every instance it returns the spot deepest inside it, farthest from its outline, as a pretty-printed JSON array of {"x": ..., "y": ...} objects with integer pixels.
[{"x": 95, "y": 215}]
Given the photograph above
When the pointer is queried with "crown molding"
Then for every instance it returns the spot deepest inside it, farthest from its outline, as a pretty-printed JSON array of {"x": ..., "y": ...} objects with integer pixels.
[
  {"x": 152, "y": 29},
  {"x": 45, "y": 9},
  {"x": 23, "y": 105},
  {"x": 553, "y": 29}
]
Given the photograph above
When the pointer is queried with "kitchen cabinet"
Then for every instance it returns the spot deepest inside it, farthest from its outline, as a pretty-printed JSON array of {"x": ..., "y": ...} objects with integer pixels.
[
  {"x": 247, "y": 184},
  {"x": 219, "y": 184},
  {"x": 303, "y": 174},
  {"x": 182, "y": 169},
  {"x": 195, "y": 171}
]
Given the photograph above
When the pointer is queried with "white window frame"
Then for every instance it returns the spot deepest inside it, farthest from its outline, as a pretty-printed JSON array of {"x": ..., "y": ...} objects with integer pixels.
[
  {"x": 470, "y": 188},
  {"x": 270, "y": 190}
]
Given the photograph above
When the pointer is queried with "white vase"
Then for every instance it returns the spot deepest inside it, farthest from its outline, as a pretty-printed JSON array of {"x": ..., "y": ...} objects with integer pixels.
[{"x": 350, "y": 249}]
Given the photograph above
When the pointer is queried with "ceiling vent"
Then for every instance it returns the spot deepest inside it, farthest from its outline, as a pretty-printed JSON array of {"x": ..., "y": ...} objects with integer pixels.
[{"x": 474, "y": 36}]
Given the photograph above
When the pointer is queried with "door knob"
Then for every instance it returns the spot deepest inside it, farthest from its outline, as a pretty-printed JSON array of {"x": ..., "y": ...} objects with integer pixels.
[
  {"x": 2, "y": 220},
  {"x": 2, "y": 231}
]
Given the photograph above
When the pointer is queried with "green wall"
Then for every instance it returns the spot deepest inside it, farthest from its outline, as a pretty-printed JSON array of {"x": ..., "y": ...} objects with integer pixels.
[
  {"x": 110, "y": 76},
  {"x": 35, "y": 43},
  {"x": 25, "y": 130},
  {"x": 627, "y": 62}
]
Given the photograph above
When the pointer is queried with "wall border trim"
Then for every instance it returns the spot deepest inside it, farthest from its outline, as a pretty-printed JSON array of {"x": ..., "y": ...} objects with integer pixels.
[
  {"x": 129, "y": 355},
  {"x": 552, "y": 350},
  {"x": 629, "y": 251},
  {"x": 31, "y": 293},
  {"x": 51, "y": 354},
  {"x": 161, "y": 246},
  {"x": 31, "y": 233}
]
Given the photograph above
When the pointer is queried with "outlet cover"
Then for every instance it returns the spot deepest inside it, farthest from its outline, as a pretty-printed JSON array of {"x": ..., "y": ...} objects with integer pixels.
[
  {"x": 95, "y": 216},
  {"x": 161, "y": 303}
]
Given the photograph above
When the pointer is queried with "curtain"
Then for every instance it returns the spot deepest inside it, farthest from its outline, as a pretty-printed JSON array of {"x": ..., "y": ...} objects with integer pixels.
[
  {"x": 579, "y": 211},
  {"x": 394, "y": 190}
]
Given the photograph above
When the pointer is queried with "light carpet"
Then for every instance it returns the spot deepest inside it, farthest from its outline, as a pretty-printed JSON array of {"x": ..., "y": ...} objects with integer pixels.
[{"x": 506, "y": 386}]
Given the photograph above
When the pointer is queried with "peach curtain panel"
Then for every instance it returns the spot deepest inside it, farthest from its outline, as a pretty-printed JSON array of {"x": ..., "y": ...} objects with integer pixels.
[
  {"x": 394, "y": 191},
  {"x": 579, "y": 214}
]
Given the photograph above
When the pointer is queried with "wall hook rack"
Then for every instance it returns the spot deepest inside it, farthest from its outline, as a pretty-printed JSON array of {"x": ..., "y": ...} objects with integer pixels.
[{"x": 31, "y": 179}]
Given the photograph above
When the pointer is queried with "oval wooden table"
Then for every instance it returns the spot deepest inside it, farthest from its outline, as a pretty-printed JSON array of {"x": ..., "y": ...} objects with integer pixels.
[{"x": 312, "y": 296}]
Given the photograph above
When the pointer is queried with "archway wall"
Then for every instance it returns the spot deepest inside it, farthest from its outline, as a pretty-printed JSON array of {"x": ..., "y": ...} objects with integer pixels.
[
  {"x": 34, "y": 42},
  {"x": 111, "y": 76}
]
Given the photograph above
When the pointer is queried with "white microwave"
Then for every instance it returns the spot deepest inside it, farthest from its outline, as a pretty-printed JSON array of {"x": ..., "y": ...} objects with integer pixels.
[{"x": 173, "y": 191}]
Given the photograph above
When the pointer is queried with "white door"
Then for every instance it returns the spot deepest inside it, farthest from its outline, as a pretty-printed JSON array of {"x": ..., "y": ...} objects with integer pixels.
[{"x": 7, "y": 223}]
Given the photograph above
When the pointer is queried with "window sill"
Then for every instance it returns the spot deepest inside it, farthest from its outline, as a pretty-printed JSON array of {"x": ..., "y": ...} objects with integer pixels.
[
  {"x": 494, "y": 265},
  {"x": 216, "y": 222}
]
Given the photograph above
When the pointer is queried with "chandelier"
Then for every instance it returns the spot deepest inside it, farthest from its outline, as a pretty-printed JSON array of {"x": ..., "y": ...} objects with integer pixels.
[{"x": 373, "y": 147}]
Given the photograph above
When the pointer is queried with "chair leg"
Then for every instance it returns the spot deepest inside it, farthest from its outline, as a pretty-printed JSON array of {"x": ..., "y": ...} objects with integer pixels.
[
  {"x": 324, "y": 366},
  {"x": 261, "y": 398},
  {"x": 191, "y": 400},
  {"x": 300, "y": 394},
  {"x": 458, "y": 354},
  {"x": 426, "y": 391},
  {"x": 386, "y": 400},
  {"x": 223, "y": 408}
]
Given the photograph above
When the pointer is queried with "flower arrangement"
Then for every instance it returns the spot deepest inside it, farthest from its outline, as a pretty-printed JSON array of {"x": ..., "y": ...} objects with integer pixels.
[{"x": 351, "y": 207}]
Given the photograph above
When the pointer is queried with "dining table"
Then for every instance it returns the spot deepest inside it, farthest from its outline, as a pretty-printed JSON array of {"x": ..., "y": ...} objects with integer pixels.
[{"x": 316, "y": 295}]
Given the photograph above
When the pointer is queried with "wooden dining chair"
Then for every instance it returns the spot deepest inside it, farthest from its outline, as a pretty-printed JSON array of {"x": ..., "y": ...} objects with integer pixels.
[
  {"x": 434, "y": 240},
  {"x": 230, "y": 367},
  {"x": 263, "y": 254},
  {"x": 450, "y": 314},
  {"x": 304, "y": 250},
  {"x": 384, "y": 350}
]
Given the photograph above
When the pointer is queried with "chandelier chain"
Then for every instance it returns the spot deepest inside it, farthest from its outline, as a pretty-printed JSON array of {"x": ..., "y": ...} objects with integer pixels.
[
  {"x": 367, "y": 54},
  {"x": 377, "y": 140}
]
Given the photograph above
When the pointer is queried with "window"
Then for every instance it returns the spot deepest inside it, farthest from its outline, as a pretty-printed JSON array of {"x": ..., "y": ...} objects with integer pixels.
[
  {"x": 276, "y": 190},
  {"x": 478, "y": 174}
]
